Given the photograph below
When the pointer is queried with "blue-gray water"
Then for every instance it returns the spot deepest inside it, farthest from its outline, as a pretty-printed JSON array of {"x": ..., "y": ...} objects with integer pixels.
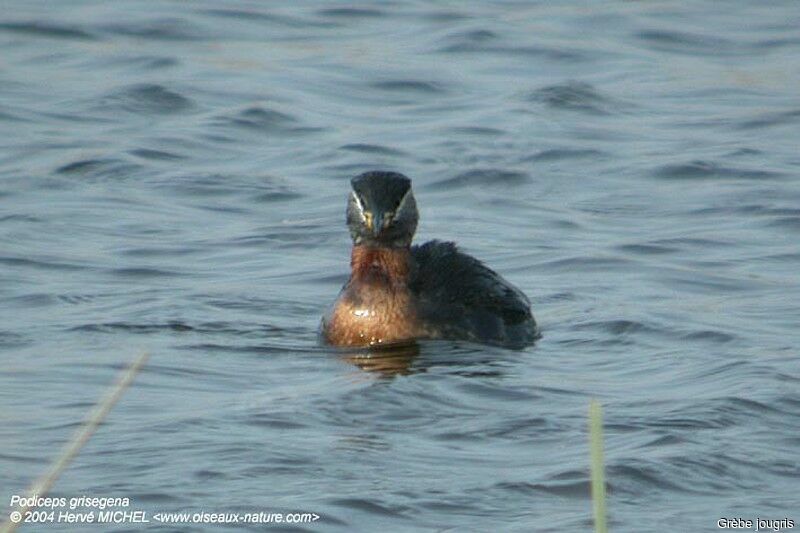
[{"x": 173, "y": 178}]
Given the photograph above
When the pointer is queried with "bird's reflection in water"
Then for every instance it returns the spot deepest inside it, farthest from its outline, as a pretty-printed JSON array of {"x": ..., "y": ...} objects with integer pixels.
[{"x": 390, "y": 360}]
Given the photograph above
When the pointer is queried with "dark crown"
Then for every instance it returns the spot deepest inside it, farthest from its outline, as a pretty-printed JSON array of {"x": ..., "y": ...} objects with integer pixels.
[{"x": 381, "y": 190}]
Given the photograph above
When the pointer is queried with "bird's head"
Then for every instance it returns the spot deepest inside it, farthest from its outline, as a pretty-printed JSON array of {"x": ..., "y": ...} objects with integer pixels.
[{"x": 381, "y": 210}]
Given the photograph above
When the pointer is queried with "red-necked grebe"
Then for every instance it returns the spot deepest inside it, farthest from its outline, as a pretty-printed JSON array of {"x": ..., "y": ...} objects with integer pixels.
[{"x": 398, "y": 292}]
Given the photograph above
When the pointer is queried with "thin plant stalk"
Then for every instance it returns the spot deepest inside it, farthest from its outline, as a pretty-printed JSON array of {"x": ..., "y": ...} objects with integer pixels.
[
  {"x": 43, "y": 485},
  {"x": 597, "y": 466}
]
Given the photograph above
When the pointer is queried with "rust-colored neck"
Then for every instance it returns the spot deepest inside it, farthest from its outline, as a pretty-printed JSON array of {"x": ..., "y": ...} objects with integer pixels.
[{"x": 388, "y": 265}]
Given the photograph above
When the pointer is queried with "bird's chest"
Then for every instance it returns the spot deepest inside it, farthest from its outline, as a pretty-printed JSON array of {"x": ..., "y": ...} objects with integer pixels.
[{"x": 372, "y": 314}]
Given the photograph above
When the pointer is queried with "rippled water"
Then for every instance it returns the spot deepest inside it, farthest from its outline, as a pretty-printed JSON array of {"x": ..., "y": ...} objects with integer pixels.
[{"x": 172, "y": 179}]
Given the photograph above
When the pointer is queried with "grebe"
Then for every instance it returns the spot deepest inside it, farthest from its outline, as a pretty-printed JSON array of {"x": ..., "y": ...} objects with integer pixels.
[{"x": 398, "y": 293}]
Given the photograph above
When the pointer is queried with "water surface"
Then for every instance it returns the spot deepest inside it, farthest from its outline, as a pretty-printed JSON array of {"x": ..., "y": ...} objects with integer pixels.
[{"x": 173, "y": 179}]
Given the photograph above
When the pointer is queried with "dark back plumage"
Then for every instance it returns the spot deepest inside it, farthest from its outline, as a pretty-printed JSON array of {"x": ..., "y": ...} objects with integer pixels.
[{"x": 466, "y": 299}]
